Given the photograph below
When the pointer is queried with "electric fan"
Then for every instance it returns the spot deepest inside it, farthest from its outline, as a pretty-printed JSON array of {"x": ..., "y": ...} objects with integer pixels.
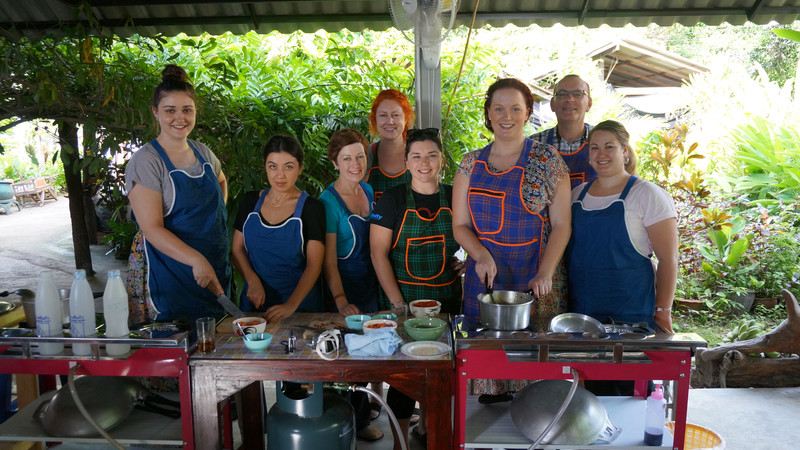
[{"x": 426, "y": 23}]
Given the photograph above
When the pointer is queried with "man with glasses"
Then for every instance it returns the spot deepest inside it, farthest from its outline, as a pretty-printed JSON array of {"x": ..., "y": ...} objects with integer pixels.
[{"x": 571, "y": 99}]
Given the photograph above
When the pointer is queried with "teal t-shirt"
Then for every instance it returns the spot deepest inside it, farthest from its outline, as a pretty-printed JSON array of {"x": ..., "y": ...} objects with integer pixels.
[{"x": 336, "y": 219}]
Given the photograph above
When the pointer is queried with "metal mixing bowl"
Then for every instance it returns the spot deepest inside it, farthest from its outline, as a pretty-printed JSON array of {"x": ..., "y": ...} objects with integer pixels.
[
  {"x": 584, "y": 421},
  {"x": 576, "y": 323}
]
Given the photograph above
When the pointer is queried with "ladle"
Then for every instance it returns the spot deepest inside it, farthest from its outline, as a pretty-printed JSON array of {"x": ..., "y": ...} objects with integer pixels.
[{"x": 489, "y": 290}]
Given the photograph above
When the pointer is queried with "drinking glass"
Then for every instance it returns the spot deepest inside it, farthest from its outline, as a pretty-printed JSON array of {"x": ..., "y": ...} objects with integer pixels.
[
  {"x": 206, "y": 334},
  {"x": 401, "y": 311}
]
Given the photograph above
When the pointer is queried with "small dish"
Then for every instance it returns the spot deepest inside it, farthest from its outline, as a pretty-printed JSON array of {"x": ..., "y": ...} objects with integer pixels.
[
  {"x": 356, "y": 321},
  {"x": 425, "y": 308},
  {"x": 378, "y": 324},
  {"x": 425, "y": 349},
  {"x": 257, "y": 342},
  {"x": 249, "y": 325}
]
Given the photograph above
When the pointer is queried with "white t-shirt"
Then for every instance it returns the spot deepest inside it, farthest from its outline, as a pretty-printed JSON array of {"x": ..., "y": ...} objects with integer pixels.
[
  {"x": 646, "y": 205},
  {"x": 148, "y": 169}
]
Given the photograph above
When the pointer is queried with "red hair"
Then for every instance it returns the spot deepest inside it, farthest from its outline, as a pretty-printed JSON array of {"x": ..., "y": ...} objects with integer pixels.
[{"x": 399, "y": 97}]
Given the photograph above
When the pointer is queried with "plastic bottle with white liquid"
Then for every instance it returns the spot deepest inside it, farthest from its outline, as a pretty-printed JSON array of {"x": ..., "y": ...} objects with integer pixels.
[
  {"x": 81, "y": 313},
  {"x": 48, "y": 314},
  {"x": 654, "y": 418},
  {"x": 115, "y": 313}
]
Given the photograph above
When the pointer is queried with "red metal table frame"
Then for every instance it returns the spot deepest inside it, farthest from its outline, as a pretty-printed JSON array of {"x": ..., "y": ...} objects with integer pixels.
[
  {"x": 143, "y": 362},
  {"x": 668, "y": 365},
  {"x": 217, "y": 376}
]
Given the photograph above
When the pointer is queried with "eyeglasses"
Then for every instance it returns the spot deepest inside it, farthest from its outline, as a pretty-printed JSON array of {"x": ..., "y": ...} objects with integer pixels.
[
  {"x": 577, "y": 94},
  {"x": 423, "y": 133}
]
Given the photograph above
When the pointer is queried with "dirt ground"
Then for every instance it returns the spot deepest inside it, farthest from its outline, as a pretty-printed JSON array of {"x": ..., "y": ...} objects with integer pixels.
[{"x": 40, "y": 238}]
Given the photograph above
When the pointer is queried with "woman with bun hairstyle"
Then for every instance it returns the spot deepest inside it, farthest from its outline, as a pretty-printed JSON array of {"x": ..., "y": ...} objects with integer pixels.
[
  {"x": 390, "y": 118},
  {"x": 177, "y": 192}
]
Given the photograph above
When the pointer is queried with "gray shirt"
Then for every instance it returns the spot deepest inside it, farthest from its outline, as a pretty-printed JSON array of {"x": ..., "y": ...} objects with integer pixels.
[{"x": 148, "y": 169}]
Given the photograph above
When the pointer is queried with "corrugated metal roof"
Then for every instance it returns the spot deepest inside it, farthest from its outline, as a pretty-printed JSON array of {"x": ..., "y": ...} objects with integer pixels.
[{"x": 171, "y": 17}]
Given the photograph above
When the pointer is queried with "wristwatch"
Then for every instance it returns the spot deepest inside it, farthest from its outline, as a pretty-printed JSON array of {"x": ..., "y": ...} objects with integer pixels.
[{"x": 659, "y": 309}]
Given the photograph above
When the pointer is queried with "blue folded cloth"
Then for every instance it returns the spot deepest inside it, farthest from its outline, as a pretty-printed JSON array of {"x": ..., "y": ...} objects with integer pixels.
[{"x": 382, "y": 342}]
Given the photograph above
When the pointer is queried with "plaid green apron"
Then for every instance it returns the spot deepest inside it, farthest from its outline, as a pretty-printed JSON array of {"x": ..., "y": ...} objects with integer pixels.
[{"x": 421, "y": 256}]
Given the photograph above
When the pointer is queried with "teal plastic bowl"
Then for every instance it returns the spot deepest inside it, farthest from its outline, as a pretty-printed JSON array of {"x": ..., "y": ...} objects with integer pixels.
[
  {"x": 257, "y": 342},
  {"x": 425, "y": 328},
  {"x": 356, "y": 321},
  {"x": 385, "y": 316}
]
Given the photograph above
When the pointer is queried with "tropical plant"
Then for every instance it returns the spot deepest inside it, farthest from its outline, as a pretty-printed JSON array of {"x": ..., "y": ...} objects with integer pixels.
[
  {"x": 766, "y": 163},
  {"x": 725, "y": 264}
]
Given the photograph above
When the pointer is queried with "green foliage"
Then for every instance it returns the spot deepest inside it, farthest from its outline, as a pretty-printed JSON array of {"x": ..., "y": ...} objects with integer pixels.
[
  {"x": 725, "y": 261},
  {"x": 766, "y": 167}
]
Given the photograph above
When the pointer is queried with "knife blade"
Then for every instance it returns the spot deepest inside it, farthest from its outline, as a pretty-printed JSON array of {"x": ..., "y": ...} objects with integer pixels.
[{"x": 228, "y": 305}]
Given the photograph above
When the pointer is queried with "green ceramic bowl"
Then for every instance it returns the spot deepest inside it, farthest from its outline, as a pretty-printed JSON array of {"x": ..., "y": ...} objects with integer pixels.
[{"x": 425, "y": 328}]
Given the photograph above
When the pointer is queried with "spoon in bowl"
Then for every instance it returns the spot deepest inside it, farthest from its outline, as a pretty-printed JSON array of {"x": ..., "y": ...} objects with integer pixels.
[{"x": 244, "y": 335}]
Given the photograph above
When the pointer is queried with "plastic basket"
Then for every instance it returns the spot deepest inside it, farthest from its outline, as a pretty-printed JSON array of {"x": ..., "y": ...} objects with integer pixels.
[{"x": 699, "y": 438}]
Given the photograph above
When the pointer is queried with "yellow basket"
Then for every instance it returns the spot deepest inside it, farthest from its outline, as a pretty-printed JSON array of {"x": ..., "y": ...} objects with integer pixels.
[{"x": 699, "y": 438}]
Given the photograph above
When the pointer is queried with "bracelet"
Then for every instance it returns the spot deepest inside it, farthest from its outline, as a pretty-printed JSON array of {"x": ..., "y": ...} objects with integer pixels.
[
  {"x": 659, "y": 309},
  {"x": 338, "y": 295}
]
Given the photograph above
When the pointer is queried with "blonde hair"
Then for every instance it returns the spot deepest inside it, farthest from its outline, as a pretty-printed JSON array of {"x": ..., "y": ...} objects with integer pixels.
[{"x": 618, "y": 129}]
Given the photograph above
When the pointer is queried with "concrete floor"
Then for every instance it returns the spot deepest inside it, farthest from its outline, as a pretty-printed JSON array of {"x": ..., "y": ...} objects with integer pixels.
[{"x": 39, "y": 238}]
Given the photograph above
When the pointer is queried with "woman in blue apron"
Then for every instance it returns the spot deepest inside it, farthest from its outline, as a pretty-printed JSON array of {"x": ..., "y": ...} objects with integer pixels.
[
  {"x": 618, "y": 222},
  {"x": 177, "y": 192},
  {"x": 389, "y": 118},
  {"x": 351, "y": 280},
  {"x": 411, "y": 238},
  {"x": 511, "y": 215},
  {"x": 279, "y": 242},
  {"x": 348, "y": 203}
]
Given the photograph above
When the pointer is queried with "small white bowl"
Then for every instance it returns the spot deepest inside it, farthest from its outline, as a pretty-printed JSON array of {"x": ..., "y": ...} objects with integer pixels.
[
  {"x": 425, "y": 311},
  {"x": 250, "y": 325},
  {"x": 378, "y": 324}
]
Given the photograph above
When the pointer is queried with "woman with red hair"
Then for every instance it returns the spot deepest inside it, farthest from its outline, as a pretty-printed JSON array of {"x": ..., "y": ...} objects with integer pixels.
[{"x": 390, "y": 118}]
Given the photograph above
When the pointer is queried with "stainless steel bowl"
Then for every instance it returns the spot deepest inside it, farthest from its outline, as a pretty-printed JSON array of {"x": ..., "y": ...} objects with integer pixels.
[
  {"x": 576, "y": 323},
  {"x": 584, "y": 421}
]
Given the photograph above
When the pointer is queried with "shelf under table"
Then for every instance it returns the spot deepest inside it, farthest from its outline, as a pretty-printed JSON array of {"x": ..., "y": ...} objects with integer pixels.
[
  {"x": 140, "y": 427},
  {"x": 490, "y": 426}
]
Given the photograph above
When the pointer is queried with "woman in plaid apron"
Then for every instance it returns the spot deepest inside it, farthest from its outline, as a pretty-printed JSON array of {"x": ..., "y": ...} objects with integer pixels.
[
  {"x": 511, "y": 213},
  {"x": 412, "y": 244}
]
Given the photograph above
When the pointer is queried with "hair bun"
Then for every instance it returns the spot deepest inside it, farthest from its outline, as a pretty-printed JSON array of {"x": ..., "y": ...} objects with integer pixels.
[{"x": 173, "y": 72}]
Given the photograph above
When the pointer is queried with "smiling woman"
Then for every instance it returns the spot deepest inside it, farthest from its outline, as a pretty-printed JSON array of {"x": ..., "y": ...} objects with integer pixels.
[{"x": 177, "y": 192}]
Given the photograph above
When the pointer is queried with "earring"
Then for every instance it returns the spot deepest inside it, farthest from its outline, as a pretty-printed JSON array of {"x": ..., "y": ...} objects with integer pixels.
[{"x": 627, "y": 160}]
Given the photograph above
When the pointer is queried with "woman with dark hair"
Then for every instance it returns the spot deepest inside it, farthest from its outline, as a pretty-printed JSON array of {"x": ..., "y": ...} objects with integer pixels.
[
  {"x": 389, "y": 118},
  {"x": 348, "y": 204},
  {"x": 177, "y": 192},
  {"x": 511, "y": 214},
  {"x": 412, "y": 245},
  {"x": 618, "y": 223},
  {"x": 279, "y": 242}
]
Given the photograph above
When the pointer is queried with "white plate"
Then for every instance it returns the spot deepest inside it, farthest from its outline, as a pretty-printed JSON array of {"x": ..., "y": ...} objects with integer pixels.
[{"x": 425, "y": 349}]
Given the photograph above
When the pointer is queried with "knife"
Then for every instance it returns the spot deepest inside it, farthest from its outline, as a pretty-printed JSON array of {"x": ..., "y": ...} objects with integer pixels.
[{"x": 229, "y": 306}]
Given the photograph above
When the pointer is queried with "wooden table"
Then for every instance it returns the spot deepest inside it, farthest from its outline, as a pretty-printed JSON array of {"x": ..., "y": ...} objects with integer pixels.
[{"x": 231, "y": 368}]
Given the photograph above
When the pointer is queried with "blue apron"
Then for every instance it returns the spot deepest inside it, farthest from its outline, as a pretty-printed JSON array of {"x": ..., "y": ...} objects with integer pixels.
[
  {"x": 358, "y": 276},
  {"x": 504, "y": 225},
  {"x": 198, "y": 218},
  {"x": 580, "y": 171},
  {"x": 276, "y": 254},
  {"x": 608, "y": 278}
]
